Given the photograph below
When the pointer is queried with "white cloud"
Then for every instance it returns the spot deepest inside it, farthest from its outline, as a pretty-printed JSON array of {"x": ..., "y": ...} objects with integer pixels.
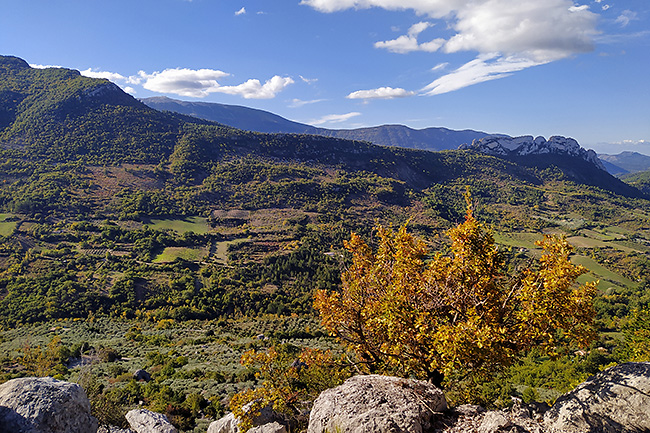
[
  {"x": 334, "y": 118},
  {"x": 434, "y": 8},
  {"x": 136, "y": 79},
  {"x": 380, "y": 93},
  {"x": 129, "y": 90},
  {"x": 538, "y": 30},
  {"x": 605, "y": 7},
  {"x": 241, "y": 11},
  {"x": 181, "y": 81},
  {"x": 541, "y": 30},
  {"x": 37, "y": 66},
  {"x": 409, "y": 42},
  {"x": 113, "y": 76},
  {"x": 625, "y": 18},
  {"x": 296, "y": 103},
  {"x": 308, "y": 80},
  {"x": 200, "y": 83},
  {"x": 253, "y": 89},
  {"x": 507, "y": 35},
  {"x": 486, "y": 67}
]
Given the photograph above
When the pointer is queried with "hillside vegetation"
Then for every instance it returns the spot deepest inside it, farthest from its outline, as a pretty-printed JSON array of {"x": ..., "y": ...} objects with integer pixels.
[{"x": 174, "y": 241}]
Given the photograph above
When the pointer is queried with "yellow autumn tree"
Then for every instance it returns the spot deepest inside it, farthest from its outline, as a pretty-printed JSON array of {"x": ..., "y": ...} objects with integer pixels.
[{"x": 406, "y": 312}]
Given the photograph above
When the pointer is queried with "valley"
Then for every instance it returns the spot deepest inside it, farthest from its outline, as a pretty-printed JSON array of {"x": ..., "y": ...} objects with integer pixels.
[{"x": 132, "y": 238}]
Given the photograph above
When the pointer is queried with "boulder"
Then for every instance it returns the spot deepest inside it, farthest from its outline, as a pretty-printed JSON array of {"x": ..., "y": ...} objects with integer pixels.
[
  {"x": 226, "y": 424},
  {"x": 145, "y": 421},
  {"x": 494, "y": 421},
  {"x": 377, "y": 404},
  {"x": 113, "y": 429},
  {"x": 274, "y": 427},
  {"x": 230, "y": 424},
  {"x": 615, "y": 400},
  {"x": 44, "y": 405}
]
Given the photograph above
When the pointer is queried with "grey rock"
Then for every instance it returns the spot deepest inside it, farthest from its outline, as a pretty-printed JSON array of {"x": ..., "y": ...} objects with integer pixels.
[
  {"x": 494, "y": 422},
  {"x": 615, "y": 400},
  {"x": 469, "y": 410},
  {"x": 113, "y": 429},
  {"x": 274, "y": 427},
  {"x": 44, "y": 405},
  {"x": 145, "y": 421},
  {"x": 226, "y": 424},
  {"x": 230, "y": 424},
  {"x": 377, "y": 404}
]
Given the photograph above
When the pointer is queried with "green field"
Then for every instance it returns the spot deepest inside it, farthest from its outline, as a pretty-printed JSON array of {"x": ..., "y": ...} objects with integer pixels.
[
  {"x": 170, "y": 254},
  {"x": 606, "y": 277},
  {"x": 602, "y": 235},
  {"x": 196, "y": 224},
  {"x": 520, "y": 240},
  {"x": 6, "y": 227},
  {"x": 586, "y": 242},
  {"x": 221, "y": 250}
]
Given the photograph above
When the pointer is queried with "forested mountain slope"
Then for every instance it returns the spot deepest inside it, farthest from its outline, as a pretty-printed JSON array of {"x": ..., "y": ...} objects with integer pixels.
[{"x": 127, "y": 209}]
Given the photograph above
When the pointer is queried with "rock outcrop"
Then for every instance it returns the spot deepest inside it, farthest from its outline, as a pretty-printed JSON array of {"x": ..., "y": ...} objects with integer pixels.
[
  {"x": 230, "y": 423},
  {"x": 377, "y": 404},
  {"x": 274, "y": 427},
  {"x": 527, "y": 145},
  {"x": 44, "y": 405},
  {"x": 145, "y": 421},
  {"x": 615, "y": 400}
]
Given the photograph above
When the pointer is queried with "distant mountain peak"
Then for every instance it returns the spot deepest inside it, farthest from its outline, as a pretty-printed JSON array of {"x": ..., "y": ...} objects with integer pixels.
[
  {"x": 527, "y": 145},
  {"x": 626, "y": 162}
]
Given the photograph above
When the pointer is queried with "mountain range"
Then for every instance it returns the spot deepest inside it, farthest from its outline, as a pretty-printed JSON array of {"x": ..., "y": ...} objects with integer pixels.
[
  {"x": 252, "y": 119},
  {"x": 626, "y": 162},
  {"x": 57, "y": 115},
  {"x": 434, "y": 138}
]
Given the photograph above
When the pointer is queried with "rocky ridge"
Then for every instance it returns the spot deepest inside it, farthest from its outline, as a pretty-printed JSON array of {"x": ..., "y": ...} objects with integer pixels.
[
  {"x": 615, "y": 400},
  {"x": 527, "y": 145}
]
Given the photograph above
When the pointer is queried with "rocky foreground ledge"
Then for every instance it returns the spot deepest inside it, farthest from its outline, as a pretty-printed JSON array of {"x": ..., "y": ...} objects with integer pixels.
[{"x": 615, "y": 400}]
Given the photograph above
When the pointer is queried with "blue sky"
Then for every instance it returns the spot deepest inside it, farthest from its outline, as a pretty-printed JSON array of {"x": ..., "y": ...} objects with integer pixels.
[{"x": 519, "y": 67}]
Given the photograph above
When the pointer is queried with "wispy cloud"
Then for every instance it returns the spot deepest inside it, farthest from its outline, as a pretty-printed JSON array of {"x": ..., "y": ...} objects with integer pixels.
[
  {"x": 440, "y": 66},
  {"x": 380, "y": 93},
  {"x": 241, "y": 11},
  {"x": 308, "y": 80},
  {"x": 508, "y": 35},
  {"x": 625, "y": 17},
  {"x": 334, "y": 118},
  {"x": 621, "y": 38},
  {"x": 485, "y": 67},
  {"x": 296, "y": 103},
  {"x": 409, "y": 42}
]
